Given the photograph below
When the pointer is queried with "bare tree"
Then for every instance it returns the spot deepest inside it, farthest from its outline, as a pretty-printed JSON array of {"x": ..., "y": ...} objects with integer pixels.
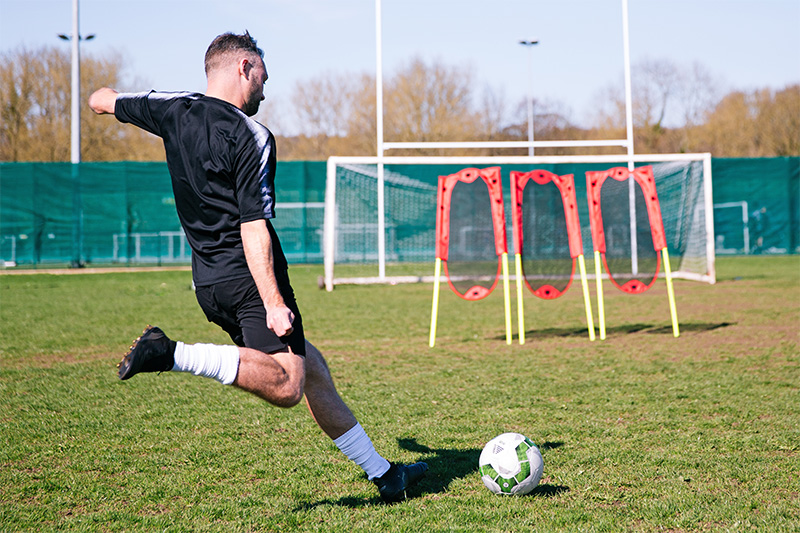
[
  {"x": 676, "y": 109},
  {"x": 667, "y": 102},
  {"x": 35, "y": 94},
  {"x": 762, "y": 123}
]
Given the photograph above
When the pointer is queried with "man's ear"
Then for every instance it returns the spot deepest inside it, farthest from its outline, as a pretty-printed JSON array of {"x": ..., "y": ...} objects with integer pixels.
[{"x": 245, "y": 67}]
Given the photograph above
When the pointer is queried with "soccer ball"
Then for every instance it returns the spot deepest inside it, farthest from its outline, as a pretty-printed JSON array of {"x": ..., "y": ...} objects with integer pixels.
[{"x": 511, "y": 464}]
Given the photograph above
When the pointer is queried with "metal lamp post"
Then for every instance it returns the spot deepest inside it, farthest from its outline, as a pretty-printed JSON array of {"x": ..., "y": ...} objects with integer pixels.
[
  {"x": 75, "y": 134},
  {"x": 75, "y": 111},
  {"x": 529, "y": 44}
]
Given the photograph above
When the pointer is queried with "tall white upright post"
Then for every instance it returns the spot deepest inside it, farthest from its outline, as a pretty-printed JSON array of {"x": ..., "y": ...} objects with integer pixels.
[
  {"x": 380, "y": 147},
  {"x": 629, "y": 125}
]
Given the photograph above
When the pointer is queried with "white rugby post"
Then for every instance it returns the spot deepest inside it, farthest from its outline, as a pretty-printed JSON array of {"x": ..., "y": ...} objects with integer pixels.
[
  {"x": 626, "y": 52},
  {"x": 380, "y": 147},
  {"x": 383, "y": 146}
]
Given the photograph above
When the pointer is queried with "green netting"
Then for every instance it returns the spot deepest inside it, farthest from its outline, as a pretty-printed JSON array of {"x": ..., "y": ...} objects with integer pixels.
[
  {"x": 767, "y": 192},
  {"x": 546, "y": 259},
  {"x": 124, "y": 213},
  {"x": 472, "y": 255},
  {"x": 622, "y": 266}
]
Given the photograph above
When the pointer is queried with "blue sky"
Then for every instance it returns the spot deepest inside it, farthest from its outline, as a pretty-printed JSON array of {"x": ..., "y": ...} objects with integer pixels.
[{"x": 746, "y": 44}]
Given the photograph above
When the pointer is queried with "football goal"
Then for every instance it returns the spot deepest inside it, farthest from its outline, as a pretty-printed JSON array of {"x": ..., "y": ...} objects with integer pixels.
[{"x": 380, "y": 224}]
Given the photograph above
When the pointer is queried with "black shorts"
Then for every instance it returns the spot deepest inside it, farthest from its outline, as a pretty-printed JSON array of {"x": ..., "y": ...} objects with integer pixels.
[{"x": 237, "y": 308}]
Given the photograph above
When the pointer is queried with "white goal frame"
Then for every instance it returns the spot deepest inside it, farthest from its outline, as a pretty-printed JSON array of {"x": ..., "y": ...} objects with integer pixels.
[{"x": 329, "y": 230}]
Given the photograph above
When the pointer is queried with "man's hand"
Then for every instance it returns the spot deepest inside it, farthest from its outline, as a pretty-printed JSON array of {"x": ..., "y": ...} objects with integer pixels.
[
  {"x": 280, "y": 319},
  {"x": 102, "y": 101}
]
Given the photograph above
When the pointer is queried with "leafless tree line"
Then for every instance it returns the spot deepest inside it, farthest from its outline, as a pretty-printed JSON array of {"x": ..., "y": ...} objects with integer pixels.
[{"x": 676, "y": 109}]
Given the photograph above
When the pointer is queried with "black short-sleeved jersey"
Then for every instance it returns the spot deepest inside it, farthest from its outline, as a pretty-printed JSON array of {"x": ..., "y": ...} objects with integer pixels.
[{"x": 222, "y": 165}]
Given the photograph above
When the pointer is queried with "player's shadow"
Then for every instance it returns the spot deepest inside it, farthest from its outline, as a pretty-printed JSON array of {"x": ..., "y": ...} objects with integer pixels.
[{"x": 444, "y": 467}]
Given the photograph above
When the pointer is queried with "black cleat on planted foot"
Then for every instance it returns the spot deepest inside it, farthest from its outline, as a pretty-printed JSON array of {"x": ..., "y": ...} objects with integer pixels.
[
  {"x": 393, "y": 484},
  {"x": 153, "y": 351}
]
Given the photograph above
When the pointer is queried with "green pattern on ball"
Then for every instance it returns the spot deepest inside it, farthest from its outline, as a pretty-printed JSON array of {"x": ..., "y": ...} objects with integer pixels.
[
  {"x": 506, "y": 484},
  {"x": 487, "y": 470}
]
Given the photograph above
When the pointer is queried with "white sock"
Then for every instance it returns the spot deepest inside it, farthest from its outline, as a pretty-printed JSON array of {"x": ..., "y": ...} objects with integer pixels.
[
  {"x": 208, "y": 360},
  {"x": 357, "y": 446}
]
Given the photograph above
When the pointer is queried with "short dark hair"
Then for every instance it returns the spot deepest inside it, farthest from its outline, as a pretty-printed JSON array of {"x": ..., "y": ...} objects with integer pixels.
[{"x": 229, "y": 43}]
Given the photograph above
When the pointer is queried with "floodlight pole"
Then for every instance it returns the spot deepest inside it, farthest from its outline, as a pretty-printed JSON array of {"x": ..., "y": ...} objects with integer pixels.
[
  {"x": 75, "y": 63},
  {"x": 75, "y": 127},
  {"x": 629, "y": 124},
  {"x": 530, "y": 44}
]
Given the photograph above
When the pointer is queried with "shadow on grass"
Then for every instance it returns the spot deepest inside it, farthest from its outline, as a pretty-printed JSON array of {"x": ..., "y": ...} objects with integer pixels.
[
  {"x": 693, "y": 327},
  {"x": 444, "y": 466},
  {"x": 625, "y": 329},
  {"x": 448, "y": 465}
]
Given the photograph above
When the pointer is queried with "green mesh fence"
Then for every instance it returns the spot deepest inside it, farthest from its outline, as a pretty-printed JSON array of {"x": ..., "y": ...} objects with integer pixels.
[
  {"x": 123, "y": 213},
  {"x": 757, "y": 205}
]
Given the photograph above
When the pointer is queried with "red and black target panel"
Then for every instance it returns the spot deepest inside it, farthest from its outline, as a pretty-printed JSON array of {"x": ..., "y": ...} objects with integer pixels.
[
  {"x": 547, "y": 231},
  {"x": 628, "y": 237},
  {"x": 470, "y": 230}
]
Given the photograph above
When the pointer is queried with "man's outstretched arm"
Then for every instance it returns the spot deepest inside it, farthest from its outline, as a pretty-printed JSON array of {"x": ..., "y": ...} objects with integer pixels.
[{"x": 102, "y": 101}]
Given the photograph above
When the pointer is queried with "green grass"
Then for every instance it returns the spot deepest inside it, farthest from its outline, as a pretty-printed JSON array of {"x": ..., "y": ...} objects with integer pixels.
[{"x": 640, "y": 432}]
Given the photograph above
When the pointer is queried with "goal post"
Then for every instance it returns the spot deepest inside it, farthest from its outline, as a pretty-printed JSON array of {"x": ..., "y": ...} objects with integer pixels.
[{"x": 364, "y": 233}]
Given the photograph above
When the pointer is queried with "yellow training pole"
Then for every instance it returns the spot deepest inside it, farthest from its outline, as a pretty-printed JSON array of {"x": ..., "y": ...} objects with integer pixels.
[
  {"x": 601, "y": 312},
  {"x": 507, "y": 297},
  {"x": 435, "y": 310},
  {"x": 520, "y": 305},
  {"x": 587, "y": 302},
  {"x": 671, "y": 293}
]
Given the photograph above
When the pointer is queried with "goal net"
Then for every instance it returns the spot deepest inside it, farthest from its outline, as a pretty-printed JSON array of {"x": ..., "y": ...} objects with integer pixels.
[{"x": 380, "y": 213}]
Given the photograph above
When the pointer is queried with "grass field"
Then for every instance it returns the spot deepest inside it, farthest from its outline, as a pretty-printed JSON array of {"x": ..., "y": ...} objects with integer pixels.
[{"x": 640, "y": 432}]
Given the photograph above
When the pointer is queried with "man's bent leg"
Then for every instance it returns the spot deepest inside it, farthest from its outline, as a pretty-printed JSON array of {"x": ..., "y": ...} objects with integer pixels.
[
  {"x": 278, "y": 378},
  {"x": 338, "y": 422},
  {"x": 335, "y": 418}
]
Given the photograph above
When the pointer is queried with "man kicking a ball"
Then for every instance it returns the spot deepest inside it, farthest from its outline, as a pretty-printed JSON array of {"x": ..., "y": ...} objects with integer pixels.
[{"x": 222, "y": 165}]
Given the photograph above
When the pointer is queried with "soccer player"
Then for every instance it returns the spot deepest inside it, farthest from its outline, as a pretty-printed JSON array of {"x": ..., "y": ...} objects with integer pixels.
[{"x": 222, "y": 165}]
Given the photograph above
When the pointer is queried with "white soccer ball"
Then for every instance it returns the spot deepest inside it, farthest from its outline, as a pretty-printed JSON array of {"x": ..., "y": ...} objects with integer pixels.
[{"x": 511, "y": 464}]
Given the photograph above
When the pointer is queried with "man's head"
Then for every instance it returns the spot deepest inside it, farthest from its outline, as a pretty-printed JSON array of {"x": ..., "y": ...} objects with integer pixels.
[
  {"x": 228, "y": 47},
  {"x": 239, "y": 58}
]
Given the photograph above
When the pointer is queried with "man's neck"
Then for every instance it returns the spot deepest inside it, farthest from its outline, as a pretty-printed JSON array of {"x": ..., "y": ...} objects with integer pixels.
[{"x": 225, "y": 92}]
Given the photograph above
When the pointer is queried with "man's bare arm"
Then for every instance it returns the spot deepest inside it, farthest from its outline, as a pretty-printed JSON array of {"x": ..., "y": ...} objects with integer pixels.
[
  {"x": 258, "y": 252},
  {"x": 102, "y": 101}
]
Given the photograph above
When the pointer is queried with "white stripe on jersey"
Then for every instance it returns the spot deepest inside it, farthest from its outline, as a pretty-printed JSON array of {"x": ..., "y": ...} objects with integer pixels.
[{"x": 261, "y": 135}]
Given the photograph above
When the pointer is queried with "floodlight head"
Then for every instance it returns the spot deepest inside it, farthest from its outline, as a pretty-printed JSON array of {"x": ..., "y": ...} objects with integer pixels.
[
  {"x": 89, "y": 37},
  {"x": 63, "y": 37},
  {"x": 529, "y": 43}
]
